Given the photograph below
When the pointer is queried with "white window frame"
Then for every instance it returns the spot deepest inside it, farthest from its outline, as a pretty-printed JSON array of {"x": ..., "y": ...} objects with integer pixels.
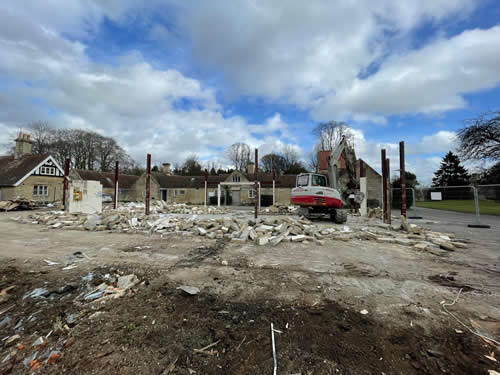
[
  {"x": 40, "y": 190},
  {"x": 181, "y": 192},
  {"x": 251, "y": 194},
  {"x": 236, "y": 178}
]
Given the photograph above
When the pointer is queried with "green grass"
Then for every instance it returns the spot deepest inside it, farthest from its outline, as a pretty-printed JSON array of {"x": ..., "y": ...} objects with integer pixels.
[{"x": 485, "y": 207}]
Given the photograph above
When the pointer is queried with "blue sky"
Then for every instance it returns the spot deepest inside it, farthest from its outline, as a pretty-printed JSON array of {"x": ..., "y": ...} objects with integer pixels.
[{"x": 174, "y": 78}]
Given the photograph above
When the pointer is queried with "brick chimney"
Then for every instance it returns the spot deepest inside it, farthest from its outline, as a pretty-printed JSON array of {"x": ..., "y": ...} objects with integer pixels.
[
  {"x": 166, "y": 168},
  {"x": 23, "y": 145}
]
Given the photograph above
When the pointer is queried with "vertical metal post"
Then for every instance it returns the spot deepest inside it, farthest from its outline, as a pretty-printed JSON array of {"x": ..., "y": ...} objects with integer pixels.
[
  {"x": 384, "y": 184},
  {"x": 476, "y": 202},
  {"x": 256, "y": 183},
  {"x": 206, "y": 185},
  {"x": 274, "y": 187},
  {"x": 388, "y": 193},
  {"x": 362, "y": 172},
  {"x": 363, "y": 209},
  {"x": 148, "y": 183},
  {"x": 402, "y": 177},
  {"x": 65, "y": 183},
  {"x": 218, "y": 195},
  {"x": 115, "y": 203}
]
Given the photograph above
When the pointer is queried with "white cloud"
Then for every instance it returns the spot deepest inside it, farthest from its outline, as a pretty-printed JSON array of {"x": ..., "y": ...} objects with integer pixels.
[
  {"x": 312, "y": 54},
  {"x": 432, "y": 79},
  {"x": 147, "y": 110},
  {"x": 420, "y": 156}
]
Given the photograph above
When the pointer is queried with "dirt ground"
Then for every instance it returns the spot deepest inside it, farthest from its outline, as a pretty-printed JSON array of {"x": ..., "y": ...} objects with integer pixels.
[{"x": 312, "y": 294}]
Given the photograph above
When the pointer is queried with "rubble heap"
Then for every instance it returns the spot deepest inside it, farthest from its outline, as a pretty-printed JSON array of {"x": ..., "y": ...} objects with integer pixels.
[
  {"x": 158, "y": 207},
  {"x": 17, "y": 204},
  {"x": 266, "y": 230},
  {"x": 280, "y": 209}
]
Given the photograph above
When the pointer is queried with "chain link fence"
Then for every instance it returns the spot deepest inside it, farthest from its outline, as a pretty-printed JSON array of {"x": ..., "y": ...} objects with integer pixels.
[{"x": 468, "y": 203}]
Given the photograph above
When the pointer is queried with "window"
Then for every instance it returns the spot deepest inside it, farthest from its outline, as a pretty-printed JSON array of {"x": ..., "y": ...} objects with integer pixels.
[
  {"x": 48, "y": 170},
  {"x": 251, "y": 194},
  {"x": 40, "y": 190},
  {"x": 180, "y": 192},
  {"x": 303, "y": 180},
  {"x": 236, "y": 178},
  {"x": 318, "y": 180}
]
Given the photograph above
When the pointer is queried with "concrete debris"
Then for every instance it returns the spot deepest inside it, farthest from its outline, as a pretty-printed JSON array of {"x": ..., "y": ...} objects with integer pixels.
[
  {"x": 17, "y": 204},
  {"x": 280, "y": 209},
  {"x": 183, "y": 219},
  {"x": 189, "y": 290}
]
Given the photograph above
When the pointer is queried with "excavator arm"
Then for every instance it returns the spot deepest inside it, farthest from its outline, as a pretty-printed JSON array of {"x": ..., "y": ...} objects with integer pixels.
[{"x": 333, "y": 162}]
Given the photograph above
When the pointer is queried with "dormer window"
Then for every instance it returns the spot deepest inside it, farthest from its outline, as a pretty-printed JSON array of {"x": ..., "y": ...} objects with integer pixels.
[{"x": 236, "y": 178}]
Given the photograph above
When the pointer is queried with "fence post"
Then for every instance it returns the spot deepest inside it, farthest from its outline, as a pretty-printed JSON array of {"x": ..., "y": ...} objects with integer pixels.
[
  {"x": 256, "y": 185},
  {"x": 218, "y": 195},
  {"x": 402, "y": 177},
  {"x": 148, "y": 182},
  {"x": 65, "y": 183},
  {"x": 384, "y": 184},
  {"x": 206, "y": 182},
  {"x": 115, "y": 200},
  {"x": 274, "y": 187},
  {"x": 478, "y": 219},
  {"x": 388, "y": 193}
]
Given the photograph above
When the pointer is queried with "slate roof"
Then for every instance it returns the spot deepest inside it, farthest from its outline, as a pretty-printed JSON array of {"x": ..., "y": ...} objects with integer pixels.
[
  {"x": 125, "y": 181},
  {"x": 179, "y": 182},
  {"x": 12, "y": 170}
]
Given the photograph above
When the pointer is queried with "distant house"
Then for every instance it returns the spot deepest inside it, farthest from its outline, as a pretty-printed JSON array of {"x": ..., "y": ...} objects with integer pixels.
[
  {"x": 126, "y": 183},
  {"x": 24, "y": 175}
]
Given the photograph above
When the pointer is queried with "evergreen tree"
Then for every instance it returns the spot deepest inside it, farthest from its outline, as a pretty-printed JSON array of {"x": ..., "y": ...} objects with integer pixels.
[{"x": 450, "y": 173}]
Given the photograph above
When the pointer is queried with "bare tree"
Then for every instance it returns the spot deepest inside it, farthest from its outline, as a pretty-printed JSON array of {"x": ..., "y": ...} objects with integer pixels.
[
  {"x": 239, "y": 154},
  {"x": 192, "y": 166},
  {"x": 85, "y": 149},
  {"x": 330, "y": 134},
  {"x": 480, "y": 138}
]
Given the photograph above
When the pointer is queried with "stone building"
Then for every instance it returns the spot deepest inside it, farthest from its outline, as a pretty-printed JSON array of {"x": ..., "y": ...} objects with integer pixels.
[
  {"x": 126, "y": 183},
  {"x": 28, "y": 176},
  {"x": 373, "y": 185}
]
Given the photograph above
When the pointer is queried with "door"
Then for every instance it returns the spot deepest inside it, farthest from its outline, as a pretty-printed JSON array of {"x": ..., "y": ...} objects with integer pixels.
[
  {"x": 236, "y": 197},
  {"x": 164, "y": 194}
]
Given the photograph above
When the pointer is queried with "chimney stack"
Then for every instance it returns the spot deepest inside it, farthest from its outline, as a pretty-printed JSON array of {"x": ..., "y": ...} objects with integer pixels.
[
  {"x": 23, "y": 145},
  {"x": 166, "y": 168},
  {"x": 251, "y": 167}
]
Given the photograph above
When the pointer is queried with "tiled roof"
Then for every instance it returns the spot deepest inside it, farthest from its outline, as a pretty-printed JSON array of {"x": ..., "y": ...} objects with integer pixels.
[
  {"x": 125, "y": 181},
  {"x": 266, "y": 179},
  {"x": 12, "y": 170}
]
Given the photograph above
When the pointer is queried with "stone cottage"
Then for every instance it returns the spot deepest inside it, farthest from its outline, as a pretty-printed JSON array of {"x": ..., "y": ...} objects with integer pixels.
[{"x": 28, "y": 176}]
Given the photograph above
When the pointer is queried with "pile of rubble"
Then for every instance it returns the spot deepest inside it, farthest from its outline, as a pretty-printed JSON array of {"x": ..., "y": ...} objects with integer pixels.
[
  {"x": 158, "y": 207},
  {"x": 17, "y": 204},
  {"x": 37, "y": 351},
  {"x": 280, "y": 209},
  {"x": 265, "y": 230}
]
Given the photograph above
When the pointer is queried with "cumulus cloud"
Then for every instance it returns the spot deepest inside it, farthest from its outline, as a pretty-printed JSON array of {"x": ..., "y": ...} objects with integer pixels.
[
  {"x": 147, "y": 110},
  {"x": 315, "y": 54}
]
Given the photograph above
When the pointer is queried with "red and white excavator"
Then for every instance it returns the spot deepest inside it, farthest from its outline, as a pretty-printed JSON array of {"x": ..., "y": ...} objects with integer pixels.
[{"x": 315, "y": 197}]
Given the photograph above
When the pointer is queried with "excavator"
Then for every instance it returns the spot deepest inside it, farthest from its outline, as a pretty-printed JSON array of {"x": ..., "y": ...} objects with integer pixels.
[{"x": 313, "y": 195}]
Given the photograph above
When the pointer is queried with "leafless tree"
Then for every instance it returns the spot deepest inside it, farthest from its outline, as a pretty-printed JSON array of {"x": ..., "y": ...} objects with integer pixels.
[
  {"x": 329, "y": 134},
  {"x": 239, "y": 154},
  {"x": 480, "y": 137},
  {"x": 85, "y": 149}
]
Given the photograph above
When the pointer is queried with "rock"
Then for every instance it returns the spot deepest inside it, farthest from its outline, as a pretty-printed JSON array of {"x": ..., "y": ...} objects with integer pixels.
[
  {"x": 252, "y": 234},
  {"x": 262, "y": 241},
  {"x": 201, "y": 231},
  {"x": 447, "y": 245},
  {"x": 127, "y": 282},
  {"x": 39, "y": 342},
  {"x": 224, "y": 263},
  {"x": 298, "y": 238},
  {"x": 404, "y": 241},
  {"x": 238, "y": 240},
  {"x": 459, "y": 245},
  {"x": 91, "y": 222},
  {"x": 386, "y": 240},
  {"x": 276, "y": 240},
  {"x": 189, "y": 290},
  {"x": 319, "y": 242},
  {"x": 12, "y": 339},
  {"x": 264, "y": 228},
  {"x": 211, "y": 235}
]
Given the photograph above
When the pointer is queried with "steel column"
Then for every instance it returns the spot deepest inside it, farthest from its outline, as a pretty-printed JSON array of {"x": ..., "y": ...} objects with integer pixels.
[{"x": 148, "y": 183}]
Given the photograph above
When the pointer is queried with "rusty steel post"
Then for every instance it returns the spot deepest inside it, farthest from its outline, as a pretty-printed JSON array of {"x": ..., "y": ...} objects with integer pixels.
[
  {"x": 206, "y": 188},
  {"x": 65, "y": 182},
  {"x": 362, "y": 172},
  {"x": 402, "y": 177},
  {"x": 384, "y": 184},
  {"x": 388, "y": 183},
  {"x": 115, "y": 200},
  {"x": 256, "y": 184},
  {"x": 148, "y": 183}
]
